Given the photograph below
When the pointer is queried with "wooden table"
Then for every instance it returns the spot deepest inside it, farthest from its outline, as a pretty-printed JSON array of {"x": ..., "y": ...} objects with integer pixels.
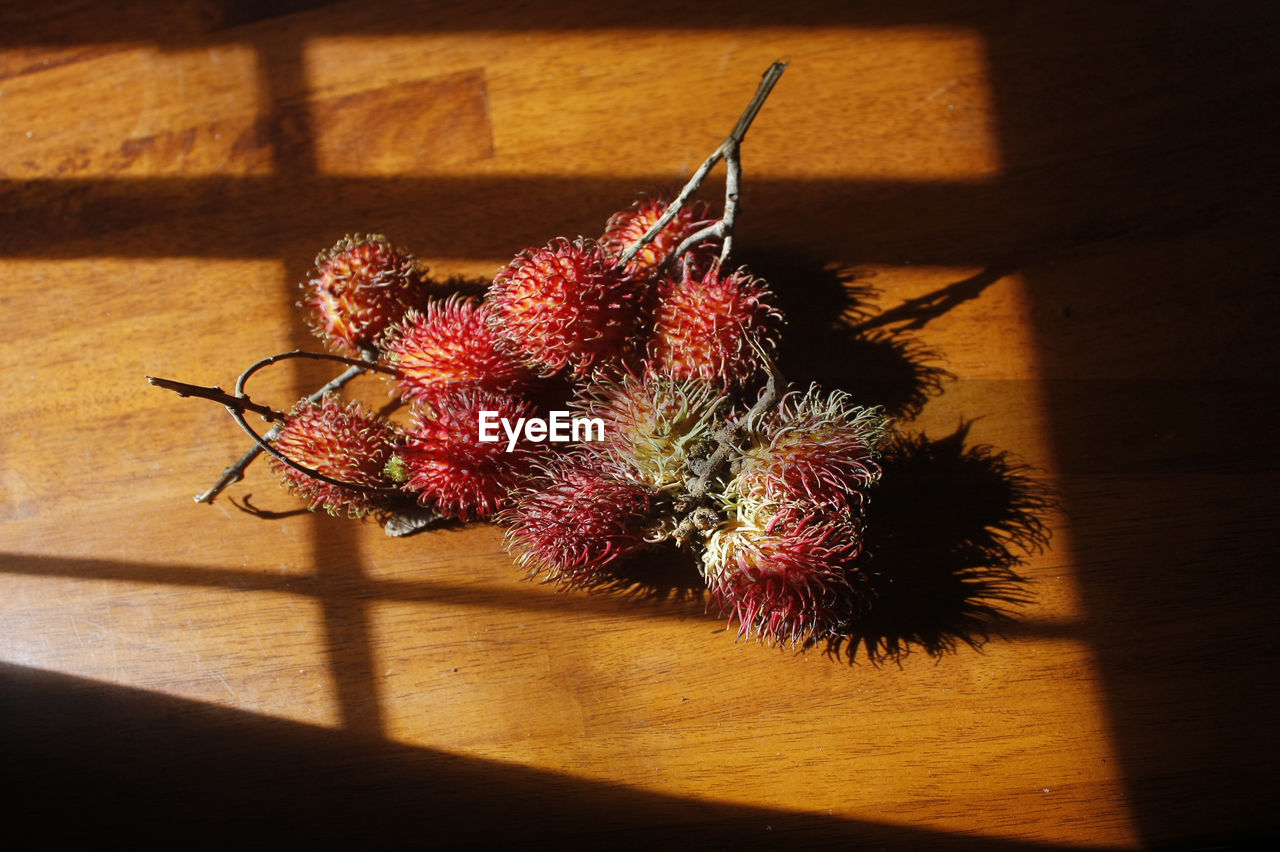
[{"x": 1051, "y": 227}]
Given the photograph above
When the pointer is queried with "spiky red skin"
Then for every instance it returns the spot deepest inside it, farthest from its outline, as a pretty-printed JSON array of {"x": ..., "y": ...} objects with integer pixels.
[
  {"x": 449, "y": 468},
  {"x": 363, "y": 285},
  {"x": 451, "y": 343},
  {"x": 793, "y": 581},
  {"x": 575, "y": 522},
  {"x": 565, "y": 305},
  {"x": 347, "y": 443},
  {"x": 706, "y": 323},
  {"x": 835, "y": 469},
  {"x": 625, "y": 227},
  {"x": 822, "y": 458}
]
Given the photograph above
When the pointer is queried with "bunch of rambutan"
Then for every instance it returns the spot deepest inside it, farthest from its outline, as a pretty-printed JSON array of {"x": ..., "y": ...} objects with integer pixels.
[
  {"x": 783, "y": 556},
  {"x": 644, "y": 333},
  {"x": 668, "y": 354},
  {"x": 661, "y": 350},
  {"x": 602, "y": 396}
]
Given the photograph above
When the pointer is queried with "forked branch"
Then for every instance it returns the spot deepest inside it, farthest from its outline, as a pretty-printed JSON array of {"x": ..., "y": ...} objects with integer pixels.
[
  {"x": 239, "y": 403},
  {"x": 730, "y": 152},
  {"x": 217, "y": 394}
]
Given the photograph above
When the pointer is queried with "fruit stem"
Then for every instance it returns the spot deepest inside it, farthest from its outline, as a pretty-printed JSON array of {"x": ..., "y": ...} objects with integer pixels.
[
  {"x": 217, "y": 394},
  {"x": 264, "y": 442},
  {"x": 235, "y": 472},
  {"x": 699, "y": 516},
  {"x": 727, "y": 436},
  {"x": 729, "y": 151}
]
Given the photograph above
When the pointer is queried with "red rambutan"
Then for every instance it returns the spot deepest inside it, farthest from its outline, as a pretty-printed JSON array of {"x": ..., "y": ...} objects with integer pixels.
[
  {"x": 446, "y": 465},
  {"x": 708, "y": 325},
  {"x": 565, "y": 304},
  {"x": 450, "y": 343},
  {"x": 625, "y": 227},
  {"x": 575, "y": 521},
  {"x": 816, "y": 448},
  {"x": 782, "y": 572},
  {"x": 363, "y": 285},
  {"x": 346, "y": 443}
]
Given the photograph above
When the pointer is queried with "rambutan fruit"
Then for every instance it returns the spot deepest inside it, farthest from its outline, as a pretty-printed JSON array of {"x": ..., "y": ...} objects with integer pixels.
[
  {"x": 709, "y": 325},
  {"x": 347, "y": 443},
  {"x": 362, "y": 286},
  {"x": 784, "y": 573},
  {"x": 575, "y": 521},
  {"x": 817, "y": 448},
  {"x": 446, "y": 465},
  {"x": 625, "y": 227},
  {"x": 653, "y": 424},
  {"x": 450, "y": 343},
  {"x": 565, "y": 305}
]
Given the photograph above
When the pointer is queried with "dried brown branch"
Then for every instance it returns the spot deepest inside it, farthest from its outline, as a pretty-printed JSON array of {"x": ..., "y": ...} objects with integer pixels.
[
  {"x": 238, "y": 403},
  {"x": 727, "y": 437},
  {"x": 265, "y": 445},
  {"x": 217, "y": 394},
  {"x": 235, "y": 472},
  {"x": 729, "y": 151}
]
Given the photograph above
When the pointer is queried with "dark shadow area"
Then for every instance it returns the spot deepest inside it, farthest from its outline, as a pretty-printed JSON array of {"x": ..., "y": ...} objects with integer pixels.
[
  {"x": 827, "y": 307},
  {"x": 946, "y": 529},
  {"x": 245, "y": 504},
  {"x": 477, "y": 217},
  {"x": 915, "y": 314},
  {"x": 67, "y": 22},
  {"x": 178, "y": 24},
  {"x": 664, "y": 574},
  {"x": 336, "y": 558},
  {"x": 460, "y": 285},
  {"x": 813, "y": 293},
  {"x": 349, "y": 585},
  {"x": 1140, "y": 148},
  {"x": 894, "y": 371},
  {"x": 92, "y": 764},
  {"x": 345, "y": 620}
]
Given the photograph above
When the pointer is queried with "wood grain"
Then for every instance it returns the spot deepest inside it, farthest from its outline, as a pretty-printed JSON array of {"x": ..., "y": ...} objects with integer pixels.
[{"x": 1052, "y": 226}]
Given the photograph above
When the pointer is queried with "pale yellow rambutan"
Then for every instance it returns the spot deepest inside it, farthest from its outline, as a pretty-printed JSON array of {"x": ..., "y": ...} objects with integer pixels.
[
  {"x": 785, "y": 573},
  {"x": 654, "y": 425}
]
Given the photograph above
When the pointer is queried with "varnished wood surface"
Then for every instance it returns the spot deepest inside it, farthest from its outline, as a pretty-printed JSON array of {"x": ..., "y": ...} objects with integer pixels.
[{"x": 1057, "y": 225}]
